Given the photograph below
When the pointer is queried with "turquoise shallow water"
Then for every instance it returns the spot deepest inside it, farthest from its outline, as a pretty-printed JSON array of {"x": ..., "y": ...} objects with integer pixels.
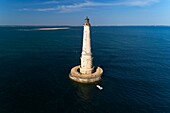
[{"x": 35, "y": 64}]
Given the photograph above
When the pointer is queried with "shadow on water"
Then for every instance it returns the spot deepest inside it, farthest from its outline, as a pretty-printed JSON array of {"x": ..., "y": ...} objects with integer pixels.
[
  {"x": 85, "y": 95},
  {"x": 85, "y": 91}
]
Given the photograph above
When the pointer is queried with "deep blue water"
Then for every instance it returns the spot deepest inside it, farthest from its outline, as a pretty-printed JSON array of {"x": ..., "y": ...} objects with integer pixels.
[{"x": 35, "y": 64}]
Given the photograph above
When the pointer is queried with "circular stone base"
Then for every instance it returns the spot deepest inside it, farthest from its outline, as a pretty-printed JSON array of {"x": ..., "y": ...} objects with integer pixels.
[{"x": 85, "y": 78}]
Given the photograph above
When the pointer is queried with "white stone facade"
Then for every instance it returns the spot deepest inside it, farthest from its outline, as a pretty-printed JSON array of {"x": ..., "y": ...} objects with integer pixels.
[{"x": 86, "y": 55}]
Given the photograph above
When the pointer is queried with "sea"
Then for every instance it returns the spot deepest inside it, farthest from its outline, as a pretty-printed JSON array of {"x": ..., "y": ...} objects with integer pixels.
[{"x": 35, "y": 62}]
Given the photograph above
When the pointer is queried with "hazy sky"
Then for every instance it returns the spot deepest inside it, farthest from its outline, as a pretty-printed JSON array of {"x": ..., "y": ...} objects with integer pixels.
[{"x": 73, "y": 12}]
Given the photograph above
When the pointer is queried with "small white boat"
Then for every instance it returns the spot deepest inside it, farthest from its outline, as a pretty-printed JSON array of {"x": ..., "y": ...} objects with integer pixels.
[{"x": 99, "y": 87}]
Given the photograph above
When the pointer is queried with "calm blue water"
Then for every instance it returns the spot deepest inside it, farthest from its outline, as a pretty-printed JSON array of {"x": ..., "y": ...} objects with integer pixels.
[{"x": 34, "y": 69}]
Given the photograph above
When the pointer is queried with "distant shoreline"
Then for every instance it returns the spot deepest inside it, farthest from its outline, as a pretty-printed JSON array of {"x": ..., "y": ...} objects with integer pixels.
[{"x": 52, "y": 28}]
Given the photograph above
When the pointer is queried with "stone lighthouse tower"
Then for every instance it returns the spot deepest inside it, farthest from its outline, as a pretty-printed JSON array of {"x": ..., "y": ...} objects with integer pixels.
[
  {"x": 86, "y": 55},
  {"x": 86, "y": 72}
]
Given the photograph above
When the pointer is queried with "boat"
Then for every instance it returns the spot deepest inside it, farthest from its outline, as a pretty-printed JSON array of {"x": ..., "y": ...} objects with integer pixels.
[{"x": 99, "y": 87}]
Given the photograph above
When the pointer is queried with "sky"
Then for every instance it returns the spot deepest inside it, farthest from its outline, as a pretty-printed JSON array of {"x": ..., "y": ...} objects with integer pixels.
[{"x": 73, "y": 12}]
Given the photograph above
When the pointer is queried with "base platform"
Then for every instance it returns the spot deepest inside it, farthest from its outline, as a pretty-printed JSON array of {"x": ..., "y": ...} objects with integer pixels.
[{"x": 85, "y": 78}]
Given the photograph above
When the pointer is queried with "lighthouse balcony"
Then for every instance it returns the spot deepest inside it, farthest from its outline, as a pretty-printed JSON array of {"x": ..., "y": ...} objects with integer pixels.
[{"x": 85, "y": 78}]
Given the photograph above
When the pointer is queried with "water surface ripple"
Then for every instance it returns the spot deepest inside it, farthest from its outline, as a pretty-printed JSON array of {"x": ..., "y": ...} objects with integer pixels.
[{"x": 34, "y": 68}]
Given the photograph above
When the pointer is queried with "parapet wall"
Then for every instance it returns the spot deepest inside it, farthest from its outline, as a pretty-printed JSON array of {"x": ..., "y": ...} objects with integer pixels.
[{"x": 85, "y": 78}]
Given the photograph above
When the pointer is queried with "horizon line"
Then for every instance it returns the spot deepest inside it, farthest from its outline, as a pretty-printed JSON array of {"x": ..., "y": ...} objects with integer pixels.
[{"x": 91, "y": 25}]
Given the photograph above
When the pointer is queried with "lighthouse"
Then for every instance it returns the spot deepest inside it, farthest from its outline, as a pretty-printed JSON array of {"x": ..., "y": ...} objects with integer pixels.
[
  {"x": 86, "y": 72},
  {"x": 86, "y": 55}
]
